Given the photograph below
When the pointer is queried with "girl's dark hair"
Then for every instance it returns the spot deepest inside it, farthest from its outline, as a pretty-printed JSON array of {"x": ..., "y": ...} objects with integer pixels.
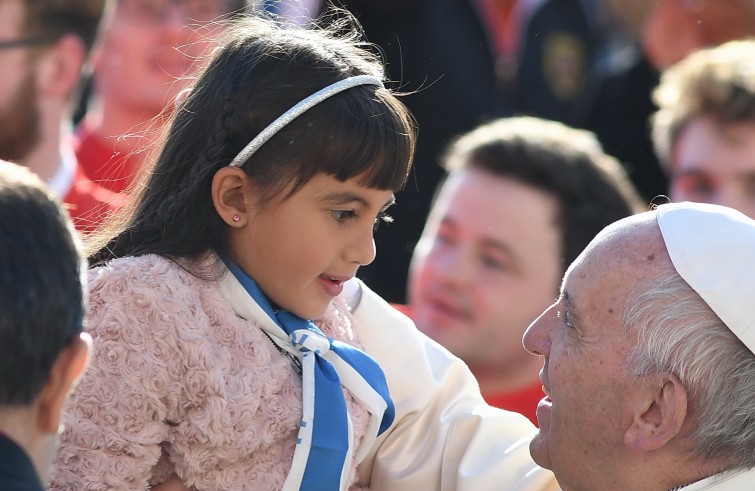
[{"x": 261, "y": 71}]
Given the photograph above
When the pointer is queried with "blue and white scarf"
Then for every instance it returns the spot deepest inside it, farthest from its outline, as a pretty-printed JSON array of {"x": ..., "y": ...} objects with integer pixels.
[{"x": 325, "y": 446}]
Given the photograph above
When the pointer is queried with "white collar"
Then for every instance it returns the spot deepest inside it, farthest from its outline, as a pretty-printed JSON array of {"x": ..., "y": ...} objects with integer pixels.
[
  {"x": 62, "y": 181},
  {"x": 245, "y": 307},
  {"x": 733, "y": 480}
]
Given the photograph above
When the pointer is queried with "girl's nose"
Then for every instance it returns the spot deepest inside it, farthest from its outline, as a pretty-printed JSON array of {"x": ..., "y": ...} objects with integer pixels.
[{"x": 362, "y": 250}]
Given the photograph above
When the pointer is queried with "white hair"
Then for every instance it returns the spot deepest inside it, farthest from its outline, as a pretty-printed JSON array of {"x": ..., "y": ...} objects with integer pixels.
[{"x": 678, "y": 333}]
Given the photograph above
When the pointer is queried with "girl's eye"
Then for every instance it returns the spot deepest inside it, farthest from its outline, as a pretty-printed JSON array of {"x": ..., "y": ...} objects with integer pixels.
[
  {"x": 382, "y": 217},
  {"x": 343, "y": 215}
]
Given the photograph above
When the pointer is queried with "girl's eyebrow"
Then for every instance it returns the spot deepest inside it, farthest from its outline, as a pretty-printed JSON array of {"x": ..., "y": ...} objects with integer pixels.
[{"x": 345, "y": 197}]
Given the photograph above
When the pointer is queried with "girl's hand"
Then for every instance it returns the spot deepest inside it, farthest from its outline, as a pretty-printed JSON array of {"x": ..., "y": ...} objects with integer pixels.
[{"x": 172, "y": 484}]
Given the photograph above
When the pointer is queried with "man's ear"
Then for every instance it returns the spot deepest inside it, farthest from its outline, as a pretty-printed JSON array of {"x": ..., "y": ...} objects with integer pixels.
[
  {"x": 658, "y": 416},
  {"x": 66, "y": 370},
  {"x": 59, "y": 67},
  {"x": 230, "y": 188}
]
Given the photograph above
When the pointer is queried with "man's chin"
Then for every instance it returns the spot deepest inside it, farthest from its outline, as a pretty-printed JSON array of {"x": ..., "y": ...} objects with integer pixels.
[{"x": 539, "y": 450}]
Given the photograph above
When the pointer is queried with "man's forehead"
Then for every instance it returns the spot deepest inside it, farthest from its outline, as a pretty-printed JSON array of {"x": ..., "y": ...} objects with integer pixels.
[
  {"x": 629, "y": 250},
  {"x": 718, "y": 147},
  {"x": 630, "y": 234}
]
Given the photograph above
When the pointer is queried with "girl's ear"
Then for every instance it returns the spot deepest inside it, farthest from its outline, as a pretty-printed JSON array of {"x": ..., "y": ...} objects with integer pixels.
[{"x": 230, "y": 191}]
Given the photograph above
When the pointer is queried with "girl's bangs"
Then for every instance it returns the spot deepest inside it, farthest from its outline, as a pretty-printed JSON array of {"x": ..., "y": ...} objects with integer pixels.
[{"x": 369, "y": 139}]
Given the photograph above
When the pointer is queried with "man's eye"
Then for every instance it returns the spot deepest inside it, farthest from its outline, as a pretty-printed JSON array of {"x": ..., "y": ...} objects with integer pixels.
[
  {"x": 565, "y": 318},
  {"x": 750, "y": 188},
  {"x": 492, "y": 262},
  {"x": 698, "y": 185}
]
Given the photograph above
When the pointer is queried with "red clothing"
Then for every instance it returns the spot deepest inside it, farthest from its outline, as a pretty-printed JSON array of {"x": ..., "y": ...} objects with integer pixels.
[
  {"x": 110, "y": 169},
  {"x": 523, "y": 401},
  {"x": 89, "y": 204},
  {"x": 404, "y": 309}
]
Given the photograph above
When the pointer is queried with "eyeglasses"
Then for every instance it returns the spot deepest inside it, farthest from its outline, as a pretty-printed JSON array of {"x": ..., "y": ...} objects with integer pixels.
[
  {"x": 156, "y": 11},
  {"x": 26, "y": 42}
]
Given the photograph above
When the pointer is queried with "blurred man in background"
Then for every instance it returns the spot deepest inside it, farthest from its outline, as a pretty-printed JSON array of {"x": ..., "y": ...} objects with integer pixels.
[
  {"x": 43, "y": 47},
  {"x": 148, "y": 53},
  {"x": 704, "y": 129}
]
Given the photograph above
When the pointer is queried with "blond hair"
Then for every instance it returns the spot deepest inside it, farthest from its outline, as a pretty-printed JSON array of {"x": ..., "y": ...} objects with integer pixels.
[{"x": 717, "y": 82}]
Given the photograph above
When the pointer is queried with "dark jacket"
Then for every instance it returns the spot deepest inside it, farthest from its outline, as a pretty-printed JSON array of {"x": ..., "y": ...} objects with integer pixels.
[{"x": 17, "y": 473}]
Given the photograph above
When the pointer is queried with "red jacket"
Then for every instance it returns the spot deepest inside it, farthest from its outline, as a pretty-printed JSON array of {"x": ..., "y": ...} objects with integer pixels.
[
  {"x": 112, "y": 171},
  {"x": 89, "y": 204}
]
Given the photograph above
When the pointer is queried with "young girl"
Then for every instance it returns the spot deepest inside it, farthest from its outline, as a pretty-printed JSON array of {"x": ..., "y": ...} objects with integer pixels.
[{"x": 254, "y": 219}]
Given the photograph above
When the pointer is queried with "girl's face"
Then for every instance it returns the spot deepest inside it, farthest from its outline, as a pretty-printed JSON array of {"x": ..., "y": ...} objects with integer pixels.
[{"x": 302, "y": 249}]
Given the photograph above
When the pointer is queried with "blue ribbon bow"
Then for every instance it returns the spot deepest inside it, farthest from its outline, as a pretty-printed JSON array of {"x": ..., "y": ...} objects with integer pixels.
[{"x": 326, "y": 433}]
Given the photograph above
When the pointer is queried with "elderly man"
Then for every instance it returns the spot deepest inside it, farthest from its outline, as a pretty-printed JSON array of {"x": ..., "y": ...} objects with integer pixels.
[{"x": 650, "y": 357}]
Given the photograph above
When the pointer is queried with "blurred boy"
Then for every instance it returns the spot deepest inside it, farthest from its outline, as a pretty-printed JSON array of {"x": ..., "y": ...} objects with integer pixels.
[{"x": 42, "y": 307}]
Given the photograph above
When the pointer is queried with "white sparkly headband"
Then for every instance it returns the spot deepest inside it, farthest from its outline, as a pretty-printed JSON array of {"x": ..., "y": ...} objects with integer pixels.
[{"x": 297, "y": 110}]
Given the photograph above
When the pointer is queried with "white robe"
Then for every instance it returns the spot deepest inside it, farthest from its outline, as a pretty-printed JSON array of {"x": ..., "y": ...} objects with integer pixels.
[{"x": 444, "y": 436}]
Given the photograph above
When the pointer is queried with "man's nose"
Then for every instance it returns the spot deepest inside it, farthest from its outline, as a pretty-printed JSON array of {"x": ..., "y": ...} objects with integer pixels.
[{"x": 536, "y": 338}]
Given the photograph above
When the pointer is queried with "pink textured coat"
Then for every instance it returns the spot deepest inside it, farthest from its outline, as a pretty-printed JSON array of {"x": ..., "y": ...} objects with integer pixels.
[{"x": 179, "y": 383}]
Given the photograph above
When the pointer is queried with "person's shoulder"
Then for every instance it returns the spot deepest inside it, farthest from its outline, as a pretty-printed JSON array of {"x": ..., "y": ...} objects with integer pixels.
[
  {"x": 16, "y": 469},
  {"x": 403, "y": 308},
  {"x": 374, "y": 310},
  {"x": 148, "y": 270},
  {"x": 148, "y": 290},
  {"x": 132, "y": 264}
]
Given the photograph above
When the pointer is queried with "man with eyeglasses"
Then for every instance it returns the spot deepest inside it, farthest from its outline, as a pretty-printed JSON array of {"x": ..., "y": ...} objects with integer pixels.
[
  {"x": 43, "y": 47},
  {"x": 149, "y": 49}
]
